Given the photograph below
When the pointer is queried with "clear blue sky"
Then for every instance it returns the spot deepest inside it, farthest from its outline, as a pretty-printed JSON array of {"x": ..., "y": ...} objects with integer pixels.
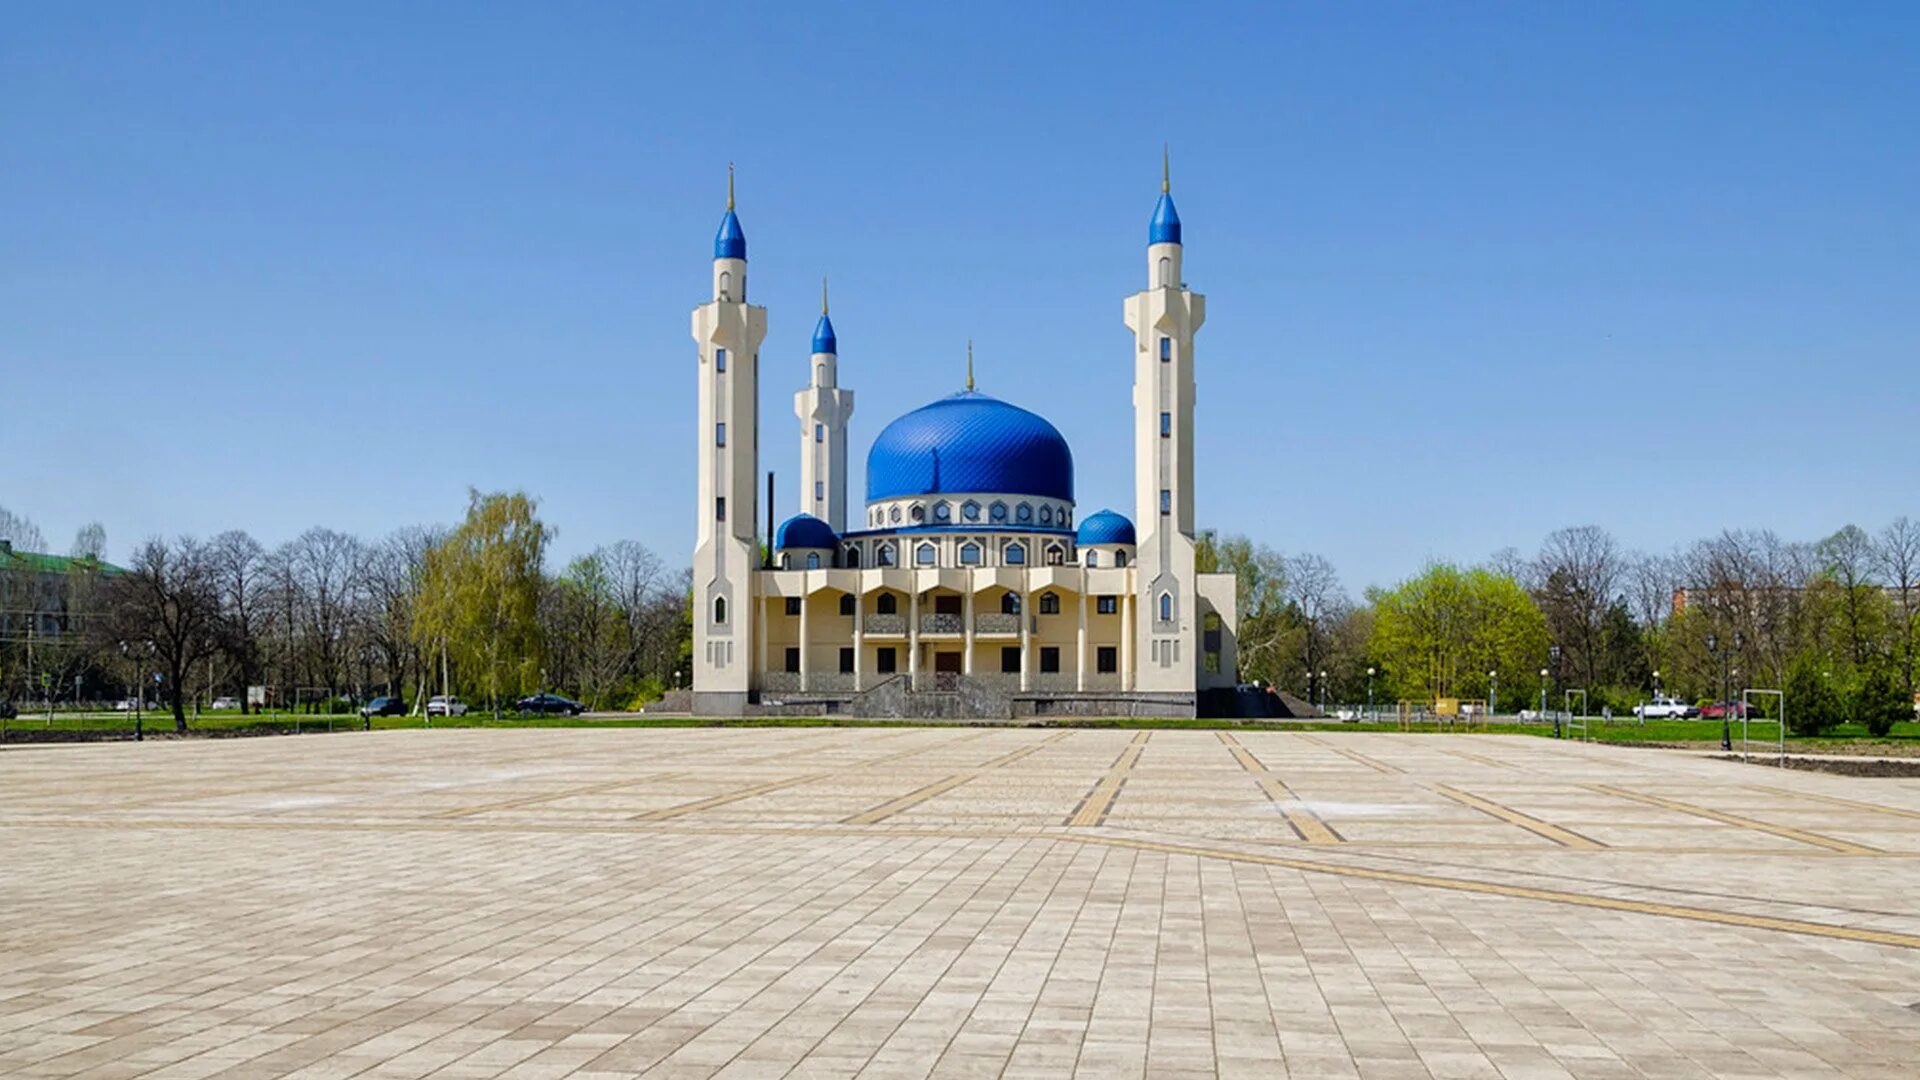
[{"x": 1474, "y": 271}]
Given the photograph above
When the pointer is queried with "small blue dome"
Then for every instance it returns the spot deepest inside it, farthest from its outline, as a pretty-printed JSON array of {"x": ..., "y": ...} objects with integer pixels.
[
  {"x": 1165, "y": 226},
  {"x": 1105, "y": 527},
  {"x": 970, "y": 443},
  {"x": 823, "y": 339},
  {"x": 731, "y": 243},
  {"x": 805, "y": 531}
]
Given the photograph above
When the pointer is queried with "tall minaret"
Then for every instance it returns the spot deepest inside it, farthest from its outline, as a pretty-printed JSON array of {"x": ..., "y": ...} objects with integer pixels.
[
  {"x": 824, "y": 410},
  {"x": 1163, "y": 319},
  {"x": 729, "y": 331}
]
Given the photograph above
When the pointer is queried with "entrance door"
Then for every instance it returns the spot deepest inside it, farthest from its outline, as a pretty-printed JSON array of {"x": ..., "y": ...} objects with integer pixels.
[{"x": 946, "y": 670}]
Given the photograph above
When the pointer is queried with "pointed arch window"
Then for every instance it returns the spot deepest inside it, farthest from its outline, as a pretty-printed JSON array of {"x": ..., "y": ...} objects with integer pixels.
[
  {"x": 813, "y": 560},
  {"x": 888, "y": 604},
  {"x": 726, "y": 285},
  {"x": 1120, "y": 558},
  {"x": 1010, "y": 603},
  {"x": 1166, "y": 272},
  {"x": 925, "y": 555},
  {"x": 1166, "y": 607},
  {"x": 853, "y": 556},
  {"x": 1093, "y": 558},
  {"x": 884, "y": 557},
  {"x": 719, "y": 610},
  {"x": 1016, "y": 554},
  {"x": 1056, "y": 555},
  {"x": 970, "y": 554},
  {"x": 1049, "y": 603}
]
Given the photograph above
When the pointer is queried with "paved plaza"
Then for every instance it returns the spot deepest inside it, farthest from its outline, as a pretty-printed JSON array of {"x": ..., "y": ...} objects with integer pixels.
[{"x": 760, "y": 902}]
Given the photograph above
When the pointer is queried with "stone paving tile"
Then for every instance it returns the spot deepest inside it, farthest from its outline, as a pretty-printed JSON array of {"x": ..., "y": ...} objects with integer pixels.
[{"x": 577, "y": 902}]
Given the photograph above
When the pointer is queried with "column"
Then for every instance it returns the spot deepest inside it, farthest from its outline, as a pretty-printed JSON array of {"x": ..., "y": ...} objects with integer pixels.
[
  {"x": 1080, "y": 660},
  {"x": 859, "y": 640},
  {"x": 1026, "y": 636},
  {"x": 966, "y": 658},
  {"x": 1127, "y": 605},
  {"x": 913, "y": 637},
  {"x": 805, "y": 603},
  {"x": 761, "y": 622}
]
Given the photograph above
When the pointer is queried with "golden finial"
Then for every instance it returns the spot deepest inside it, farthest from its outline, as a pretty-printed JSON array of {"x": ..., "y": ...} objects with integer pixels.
[
  {"x": 969, "y": 365},
  {"x": 729, "y": 185},
  {"x": 1166, "y": 170},
  {"x": 823, "y": 294}
]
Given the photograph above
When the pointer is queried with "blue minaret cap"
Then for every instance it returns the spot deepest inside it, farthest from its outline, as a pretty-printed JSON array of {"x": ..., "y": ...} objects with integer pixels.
[
  {"x": 731, "y": 243},
  {"x": 1165, "y": 226},
  {"x": 823, "y": 340}
]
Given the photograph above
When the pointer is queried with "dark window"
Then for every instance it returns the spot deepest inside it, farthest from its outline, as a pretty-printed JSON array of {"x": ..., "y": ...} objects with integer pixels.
[
  {"x": 720, "y": 359},
  {"x": 813, "y": 560},
  {"x": 1010, "y": 659},
  {"x": 1166, "y": 501},
  {"x": 1107, "y": 605},
  {"x": 819, "y": 490},
  {"x": 719, "y": 609},
  {"x": 846, "y": 605},
  {"x": 793, "y": 659},
  {"x": 888, "y": 604},
  {"x": 919, "y": 513},
  {"x": 1049, "y": 659},
  {"x": 1016, "y": 554},
  {"x": 884, "y": 557},
  {"x": 970, "y": 554},
  {"x": 1166, "y": 348},
  {"x": 1119, "y": 558},
  {"x": 884, "y": 662},
  {"x": 1106, "y": 659},
  {"x": 793, "y": 605},
  {"x": 1056, "y": 555},
  {"x": 924, "y": 555},
  {"x": 946, "y": 604},
  {"x": 1166, "y": 607},
  {"x": 719, "y": 434},
  {"x": 819, "y": 433},
  {"x": 1010, "y": 603},
  {"x": 1093, "y": 558},
  {"x": 720, "y": 509},
  {"x": 846, "y": 661},
  {"x": 1049, "y": 604},
  {"x": 1166, "y": 425},
  {"x": 853, "y": 557}
]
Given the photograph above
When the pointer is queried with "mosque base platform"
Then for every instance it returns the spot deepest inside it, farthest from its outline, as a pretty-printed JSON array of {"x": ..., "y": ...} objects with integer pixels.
[{"x": 960, "y": 700}]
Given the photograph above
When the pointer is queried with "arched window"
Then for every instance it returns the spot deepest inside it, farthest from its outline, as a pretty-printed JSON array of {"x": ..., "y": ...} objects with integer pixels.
[
  {"x": 884, "y": 557},
  {"x": 1010, "y": 603},
  {"x": 786, "y": 560},
  {"x": 943, "y": 511},
  {"x": 819, "y": 374},
  {"x": 1049, "y": 603},
  {"x": 1046, "y": 515},
  {"x": 1016, "y": 554},
  {"x": 918, "y": 513},
  {"x": 888, "y": 604},
  {"x": 1120, "y": 558},
  {"x": 1166, "y": 272},
  {"x": 726, "y": 285},
  {"x": 970, "y": 554},
  {"x": 853, "y": 556},
  {"x": 924, "y": 555},
  {"x": 1166, "y": 607},
  {"x": 719, "y": 610},
  {"x": 1093, "y": 558},
  {"x": 813, "y": 560},
  {"x": 997, "y": 512},
  {"x": 1056, "y": 555},
  {"x": 1024, "y": 514},
  {"x": 970, "y": 510}
]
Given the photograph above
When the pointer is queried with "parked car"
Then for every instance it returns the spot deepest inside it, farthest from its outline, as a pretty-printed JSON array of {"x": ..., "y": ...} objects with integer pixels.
[
  {"x": 549, "y": 705},
  {"x": 126, "y": 705},
  {"x": 1723, "y": 710},
  {"x": 225, "y": 703},
  {"x": 446, "y": 706},
  {"x": 1663, "y": 707},
  {"x": 384, "y": 706}
]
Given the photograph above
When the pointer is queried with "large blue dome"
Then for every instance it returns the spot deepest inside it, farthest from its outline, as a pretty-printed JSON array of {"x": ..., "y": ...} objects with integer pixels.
[{"x": 970, "y": 443}]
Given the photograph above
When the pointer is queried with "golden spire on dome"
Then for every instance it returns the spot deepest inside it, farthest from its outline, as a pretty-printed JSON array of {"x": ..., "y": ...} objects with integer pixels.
[
  {"x": 729, "y": 185},
  {"x": 823, "y": 294},
  {"x": 969, "y": 365},
  {"x": 1166, "y": 171}
]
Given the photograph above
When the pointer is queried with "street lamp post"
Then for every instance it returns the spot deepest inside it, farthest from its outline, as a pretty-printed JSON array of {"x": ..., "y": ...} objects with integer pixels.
[
  {"x": 1323, "y": 687},
  {"x": 1370, "y": 693},
  {"x": 1553, "y": 654},
  {"x": 1493, "y": 692},
  {"x": 1543, "y": 693}
]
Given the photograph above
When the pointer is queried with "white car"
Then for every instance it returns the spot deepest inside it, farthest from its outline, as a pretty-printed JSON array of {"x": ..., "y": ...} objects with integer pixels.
[
  {"x": 446, "y": 706},
  {"x": 226, "y": 703},
  {"x": 1663, "y": 707},
  {"x": 125, "y": 705}
]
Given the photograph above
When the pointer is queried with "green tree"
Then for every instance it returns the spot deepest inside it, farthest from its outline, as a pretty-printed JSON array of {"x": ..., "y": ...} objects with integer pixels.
[
  {"x": 1812, "y": 705},
  {"x": 1265, "y": 631},
  {"x": 1879, "y": 701},
  {"x": 1439, "y": 634},
  {"x": 480, "y": 601}
]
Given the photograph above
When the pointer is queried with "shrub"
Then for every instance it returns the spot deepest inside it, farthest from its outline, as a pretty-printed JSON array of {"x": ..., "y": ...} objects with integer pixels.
[
  {"x": 1879, "y": 702},
  {"x": 1812, "y": 705}
]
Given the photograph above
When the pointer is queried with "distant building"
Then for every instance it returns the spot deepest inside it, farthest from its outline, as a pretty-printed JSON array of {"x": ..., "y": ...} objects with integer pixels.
[{"x": 47, "y": 598}]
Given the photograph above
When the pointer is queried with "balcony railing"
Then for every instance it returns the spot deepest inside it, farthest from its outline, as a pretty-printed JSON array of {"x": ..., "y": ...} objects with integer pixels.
[
  {"x": 885, "y": 624},
  {"x": 942, "y": 624},
  {"x": 996, "y": 622}
]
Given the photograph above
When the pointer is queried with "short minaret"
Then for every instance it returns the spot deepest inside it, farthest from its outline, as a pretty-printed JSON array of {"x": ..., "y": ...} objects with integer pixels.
[
  {"x": 824, "y": 409},
  {"x": 1163, "y": 319},
  {"x": 728, "y": 331}
]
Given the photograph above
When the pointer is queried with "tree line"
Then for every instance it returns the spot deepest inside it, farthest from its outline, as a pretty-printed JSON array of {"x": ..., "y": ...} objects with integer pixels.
[
  {"x": 1834, "y": 622},
  {"x": 328, "y": 619}
]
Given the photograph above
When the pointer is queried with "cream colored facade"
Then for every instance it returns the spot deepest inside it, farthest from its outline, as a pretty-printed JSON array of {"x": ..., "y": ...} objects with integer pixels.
[{"x": 936, "y": 587}]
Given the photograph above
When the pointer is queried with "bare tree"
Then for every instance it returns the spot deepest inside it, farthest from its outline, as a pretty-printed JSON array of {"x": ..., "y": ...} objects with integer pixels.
[
  {"x": 391, "y": 576},
  {"x": 240, "y": 575},
  {"x": 1319, "y": 603},
  {"x": 168, "y": 597},
  {"x": 1899, "y": 556},
  {"x": 90, "y": 543},
  {"x": 1578, "y": 577},
  {"x": 324, "y": 567},
  {"x": 24, "y": 535}
]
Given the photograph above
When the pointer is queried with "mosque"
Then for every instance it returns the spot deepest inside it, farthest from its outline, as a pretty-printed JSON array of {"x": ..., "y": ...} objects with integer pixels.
[{"x": 971, "y": 584}]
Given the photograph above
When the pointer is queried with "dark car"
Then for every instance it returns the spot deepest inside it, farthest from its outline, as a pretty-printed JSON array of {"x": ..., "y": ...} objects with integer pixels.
[
  {"x": 549, "y": 705},
  {"x": 384, "y": 706},
  {"x": 1723, "y": 710}
]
